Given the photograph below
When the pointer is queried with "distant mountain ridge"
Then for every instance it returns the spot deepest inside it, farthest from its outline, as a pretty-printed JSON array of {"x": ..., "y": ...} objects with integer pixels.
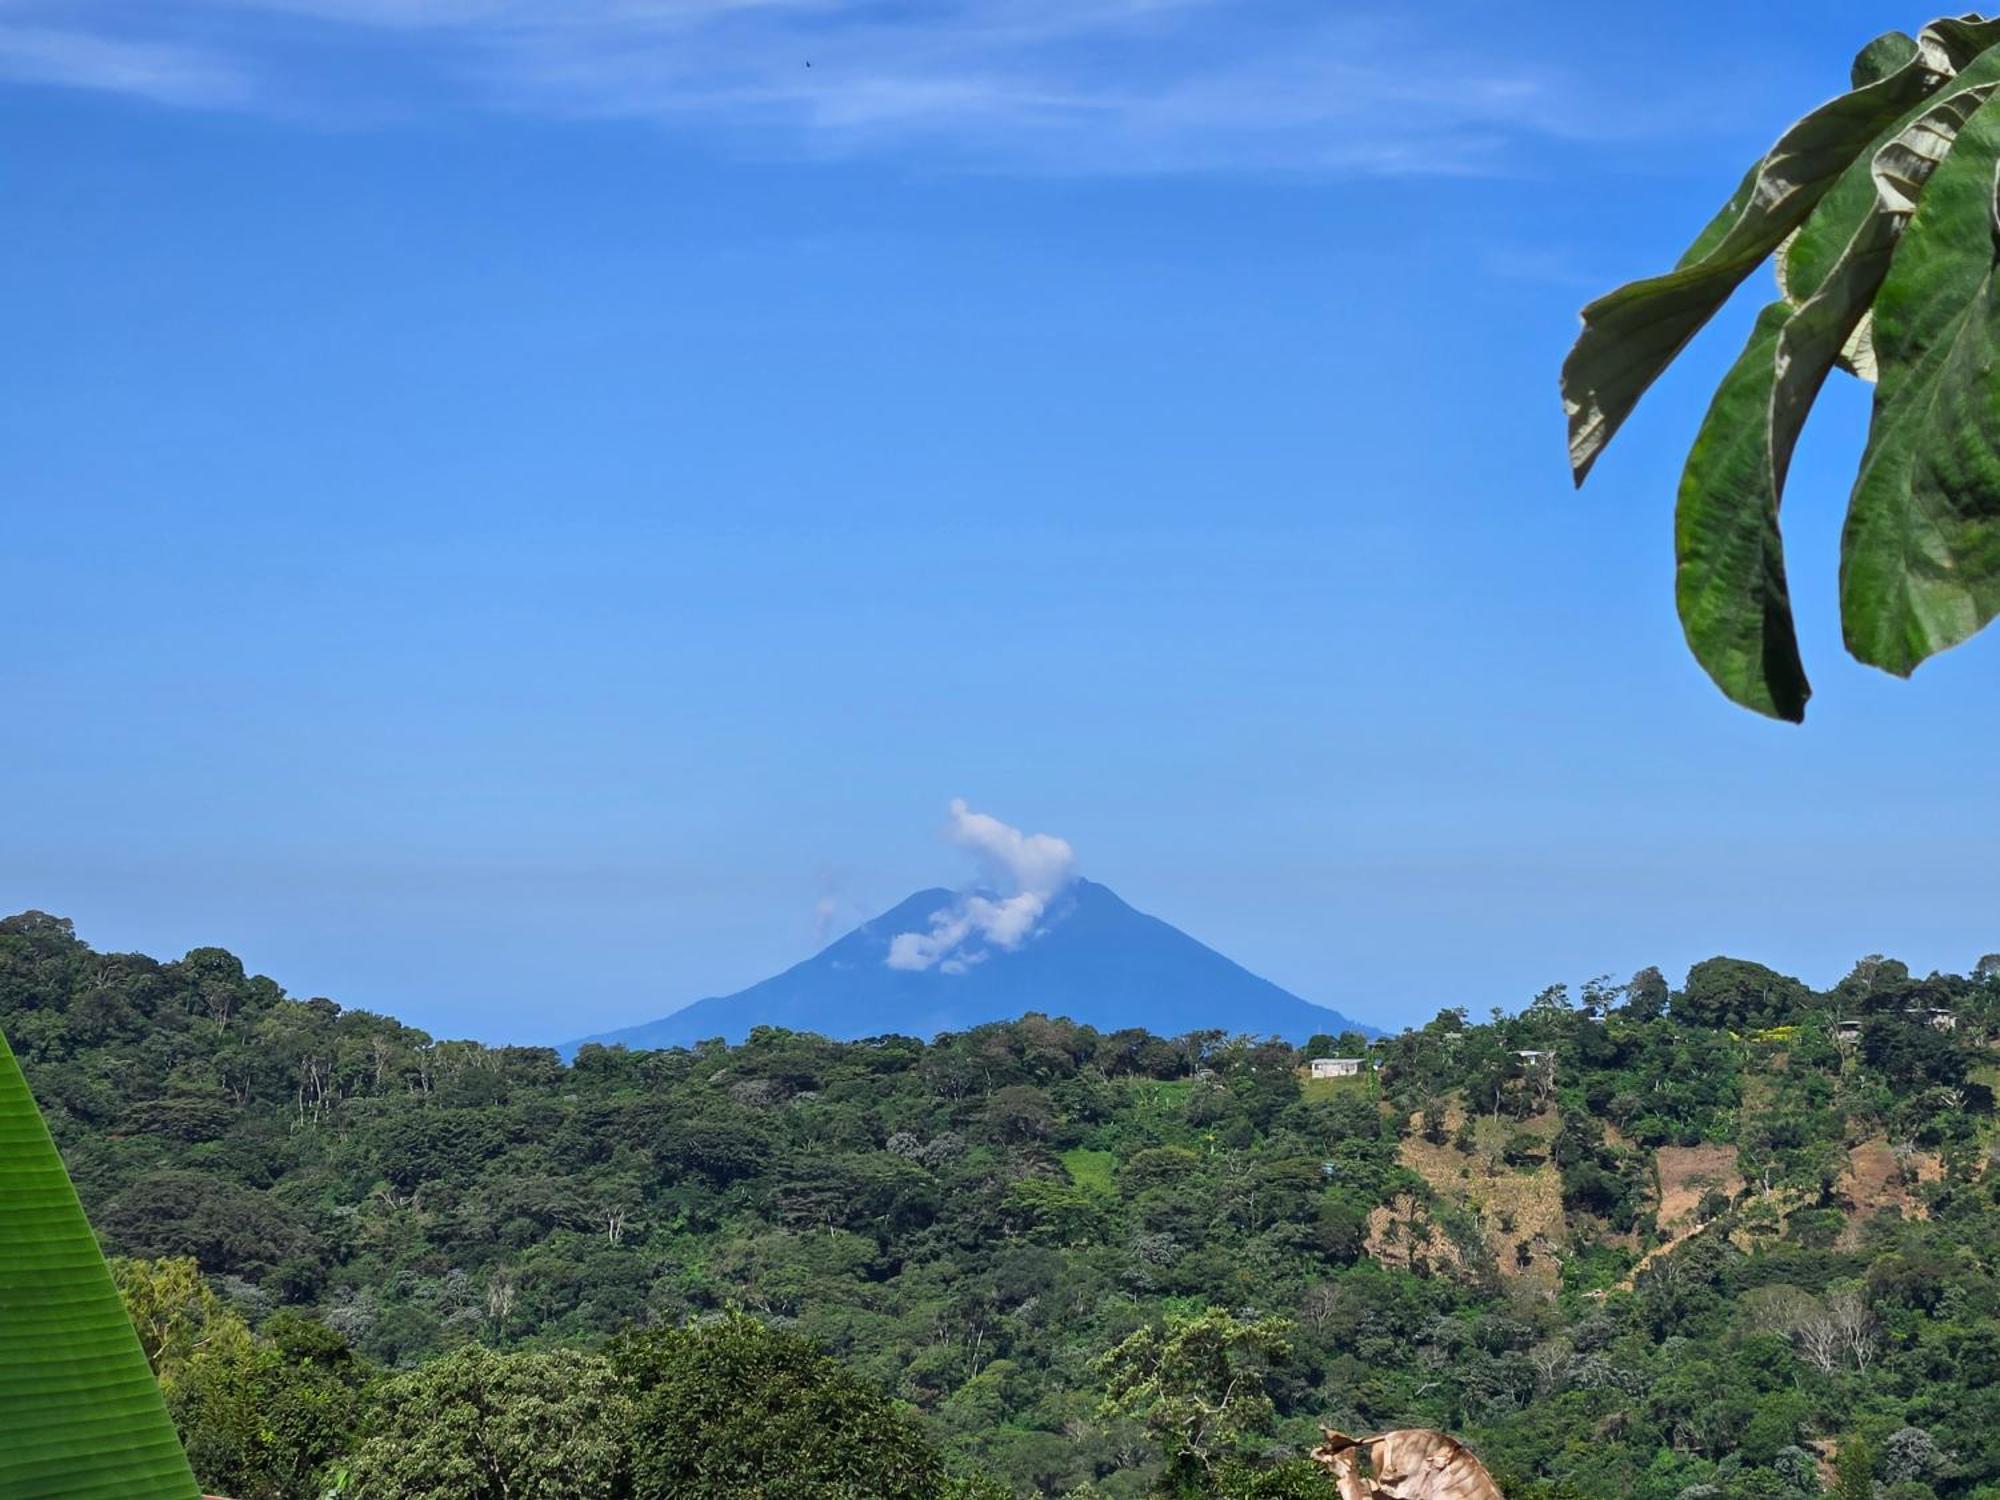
[{"x": 1095, "y": 960}]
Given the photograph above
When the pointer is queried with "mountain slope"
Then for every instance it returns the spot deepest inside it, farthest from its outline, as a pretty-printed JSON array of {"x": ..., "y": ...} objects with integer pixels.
[
  {"x": 1097, "y": 961},
  {"x": 397, "y": 1191}
]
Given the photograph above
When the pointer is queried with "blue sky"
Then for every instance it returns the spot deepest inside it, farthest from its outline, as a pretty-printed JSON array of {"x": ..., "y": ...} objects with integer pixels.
[{"x": 521, "y": 512}]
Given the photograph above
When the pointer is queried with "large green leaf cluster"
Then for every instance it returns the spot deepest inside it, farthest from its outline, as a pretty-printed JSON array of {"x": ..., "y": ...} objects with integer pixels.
[{"x": 1880, "y": 208}]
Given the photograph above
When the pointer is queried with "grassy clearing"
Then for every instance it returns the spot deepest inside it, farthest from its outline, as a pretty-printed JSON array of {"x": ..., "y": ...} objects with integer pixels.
[
  {"x": 1328, "y": 1088},
  {"x": 1091, "y": 1170},
  {"x": 1157, "y": 1097}
]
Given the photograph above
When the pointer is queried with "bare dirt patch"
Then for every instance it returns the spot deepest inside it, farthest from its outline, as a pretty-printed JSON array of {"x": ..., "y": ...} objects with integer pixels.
[
  {"x": 1686, "y": 1175},
  {"x": 1519, "y": 1211},
  {"x": 1879, "y": 1178}
]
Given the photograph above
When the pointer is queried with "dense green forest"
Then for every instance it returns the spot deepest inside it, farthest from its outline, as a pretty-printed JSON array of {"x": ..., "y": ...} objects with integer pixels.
[{"x": 1731, "y": 1239}]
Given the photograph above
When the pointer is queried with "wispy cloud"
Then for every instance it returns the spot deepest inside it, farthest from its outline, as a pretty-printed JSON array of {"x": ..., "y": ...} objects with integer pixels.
[
  {"x": 1097, "y": 86},
  {"x": 163, "y": 72},
  {"x": 1023, "y": 871}
]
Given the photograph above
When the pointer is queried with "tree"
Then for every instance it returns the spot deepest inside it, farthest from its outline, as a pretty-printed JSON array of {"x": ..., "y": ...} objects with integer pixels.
[
  {"x": 1490, "y": 1069},
  {"x": 1737, "y": 995},
  {"x": 1879, "y": 206},
  {"x": 476, "y": 1425},
  {"x": 1797, "y": 1469},
  {"x": 734, "y": 1408},
  {"x": 1910, "y": 1453},
  {"x": 175, "y": 1313},
  {"x": 1435, "y": 1120},
  {"x": 1200, "y": 1385},
  {"x": 1911, "y": 1054},
  {"x": 1647, "y": 995},
  {"x": 1854, "y": 1470},
  {"x": 226, "y": 1228},
  {"x": 1870, "y": 975},
  {"x": 1019, "y": 1112},
  {"x": 269, "y": 1420}
]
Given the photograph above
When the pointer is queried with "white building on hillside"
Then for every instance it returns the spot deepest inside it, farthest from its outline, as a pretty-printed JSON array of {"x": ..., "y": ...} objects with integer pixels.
[{"x": 1336, "y": 1067}]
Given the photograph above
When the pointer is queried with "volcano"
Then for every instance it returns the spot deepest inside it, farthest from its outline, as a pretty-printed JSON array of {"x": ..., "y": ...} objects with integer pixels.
[{"x": 1091, "y": 958}]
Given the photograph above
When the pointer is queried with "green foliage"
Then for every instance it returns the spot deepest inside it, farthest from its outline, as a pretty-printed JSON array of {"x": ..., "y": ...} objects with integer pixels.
[
  {"x": 736, "y": 1411},
  {"x": 175, "y": 1313},
  {"x": 273, "y": 1418},
  {"x": 478, "y": 1425},
  {"x": 1092, "y": 1171},
  {"x": 80, "y": 1415},
  {"x": 264, "y": 1416},
  {"x": 1733, "y": 994},
  {"x": 1200, "y": 1386},
  {"x": 1883, "y": 201},
  {"x": 1292, "y": 1479},
  {"x": 1854, "y": 1471},
  {"x": 935, "y": 1277}
]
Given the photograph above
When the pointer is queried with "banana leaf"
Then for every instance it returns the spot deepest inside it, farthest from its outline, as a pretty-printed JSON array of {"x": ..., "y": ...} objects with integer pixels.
[{"x": 80, "y": 1414}]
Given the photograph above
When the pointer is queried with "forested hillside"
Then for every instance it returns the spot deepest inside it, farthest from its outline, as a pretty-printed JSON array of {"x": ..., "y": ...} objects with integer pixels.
[{"x": 1730, "y": 1239}]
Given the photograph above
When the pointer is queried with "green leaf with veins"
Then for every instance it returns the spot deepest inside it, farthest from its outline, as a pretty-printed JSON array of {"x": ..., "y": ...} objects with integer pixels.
[
  {"x": 80, "y": 1415},
  {"x": 1632, "y": 334},
  {"x": 1730, "y": 582},
  {"x": 1920, "y": 557}
]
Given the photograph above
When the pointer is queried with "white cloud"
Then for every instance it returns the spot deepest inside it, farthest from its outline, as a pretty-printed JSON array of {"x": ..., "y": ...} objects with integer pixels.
[
  {"x": 1026, "y": 871},
  {"x": 1032, "y": 861},
  {"x": 1069, "y": 86},
  {"x": 165, "y": 73}
]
